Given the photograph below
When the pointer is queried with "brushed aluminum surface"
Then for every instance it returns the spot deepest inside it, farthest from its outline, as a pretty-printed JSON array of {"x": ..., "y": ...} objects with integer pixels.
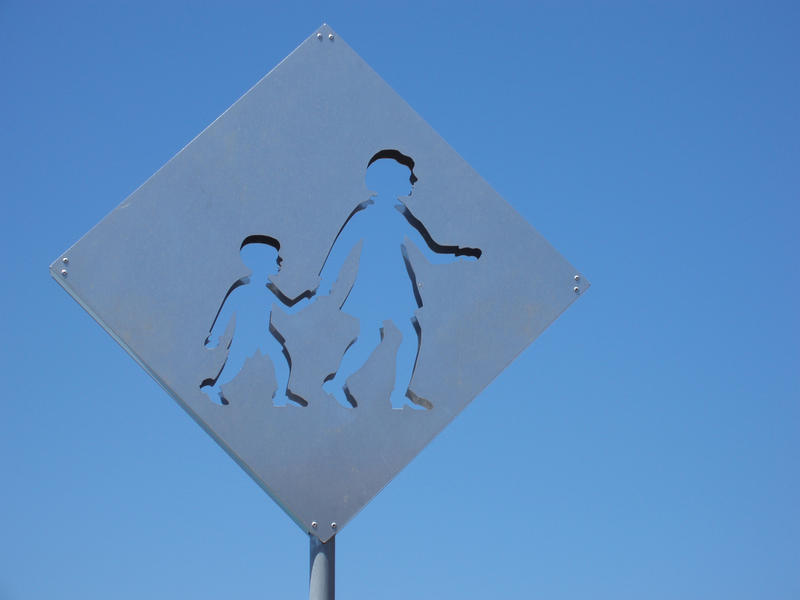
[{"x": 285, "y": 165}]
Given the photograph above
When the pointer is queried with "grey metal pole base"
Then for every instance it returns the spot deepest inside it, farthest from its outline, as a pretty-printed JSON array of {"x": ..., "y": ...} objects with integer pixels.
[{"x": 322, "y": 569}]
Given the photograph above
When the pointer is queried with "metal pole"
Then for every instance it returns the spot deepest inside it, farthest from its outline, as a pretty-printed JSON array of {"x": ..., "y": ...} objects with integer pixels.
[{"x": 322, "y": 569}]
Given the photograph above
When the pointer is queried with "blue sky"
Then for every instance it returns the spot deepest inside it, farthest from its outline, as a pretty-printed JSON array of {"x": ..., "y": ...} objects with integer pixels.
[{"x": 646, "y": 445}]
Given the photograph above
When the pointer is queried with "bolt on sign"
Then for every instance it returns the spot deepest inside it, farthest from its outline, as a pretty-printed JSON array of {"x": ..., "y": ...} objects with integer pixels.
[{"x": 284, "y": 168}]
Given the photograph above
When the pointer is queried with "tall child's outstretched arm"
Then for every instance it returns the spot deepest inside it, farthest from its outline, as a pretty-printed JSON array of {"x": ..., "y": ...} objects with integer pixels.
[{"x": 430, "y": 246}]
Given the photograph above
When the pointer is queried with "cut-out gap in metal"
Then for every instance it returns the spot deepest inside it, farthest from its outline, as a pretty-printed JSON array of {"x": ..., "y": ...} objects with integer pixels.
[
  {"x": 327, "y": 346},
  {"x": 241, "y": 351},
  {"x": 372, "y": 220}
]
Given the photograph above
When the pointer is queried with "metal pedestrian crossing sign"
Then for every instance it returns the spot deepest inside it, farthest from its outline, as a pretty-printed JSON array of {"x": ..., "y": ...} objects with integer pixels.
[{"x": 284, "y": 167}]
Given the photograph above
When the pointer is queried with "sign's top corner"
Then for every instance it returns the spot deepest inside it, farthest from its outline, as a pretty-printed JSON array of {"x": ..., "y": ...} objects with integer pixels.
[{"x": 323, "y": 30}]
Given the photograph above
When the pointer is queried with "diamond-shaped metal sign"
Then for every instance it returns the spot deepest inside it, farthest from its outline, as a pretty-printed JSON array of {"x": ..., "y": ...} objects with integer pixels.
[{"x": 285, "y": 166}]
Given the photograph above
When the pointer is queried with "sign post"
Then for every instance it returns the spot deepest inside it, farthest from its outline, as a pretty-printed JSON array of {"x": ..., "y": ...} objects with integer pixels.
[
  {"x": 322, "y": 569},
  {"x": 282, "y": 170}
]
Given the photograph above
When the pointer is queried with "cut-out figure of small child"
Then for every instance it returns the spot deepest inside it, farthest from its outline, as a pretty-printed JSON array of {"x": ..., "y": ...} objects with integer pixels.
[{"x": 246, "y": 311}]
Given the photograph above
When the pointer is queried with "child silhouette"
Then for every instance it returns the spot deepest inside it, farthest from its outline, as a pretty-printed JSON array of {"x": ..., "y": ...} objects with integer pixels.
[
  {"x": 384, "y": 289},
  {"x": 246, "y": 310}
]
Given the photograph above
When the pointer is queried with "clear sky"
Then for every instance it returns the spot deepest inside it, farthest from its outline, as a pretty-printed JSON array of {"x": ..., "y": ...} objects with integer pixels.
[{"x": 645, "y": 446}]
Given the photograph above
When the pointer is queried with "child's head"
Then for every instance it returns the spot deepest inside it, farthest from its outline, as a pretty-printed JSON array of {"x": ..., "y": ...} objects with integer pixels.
[
  {"x": 391, "y": 173},
  {"x": 260, "y": 255}
]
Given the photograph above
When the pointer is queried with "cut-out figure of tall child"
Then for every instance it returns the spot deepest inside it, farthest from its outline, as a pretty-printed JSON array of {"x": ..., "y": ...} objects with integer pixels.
[{"x": 384, "y": 294}]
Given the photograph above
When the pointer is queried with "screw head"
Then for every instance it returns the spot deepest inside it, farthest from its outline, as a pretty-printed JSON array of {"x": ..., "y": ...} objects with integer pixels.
[
  {"x": 314, "y": 524},
  {"x": 319, "y": 36},
  {"x": 576, "y": 289},
  {"x": 330, "y": 36},
  {"x": 333, "y": 525},
  {"x": 63, "y": 272},
  {"x": 65, "y": 260},
  {"x": 577, "y": 277}
]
